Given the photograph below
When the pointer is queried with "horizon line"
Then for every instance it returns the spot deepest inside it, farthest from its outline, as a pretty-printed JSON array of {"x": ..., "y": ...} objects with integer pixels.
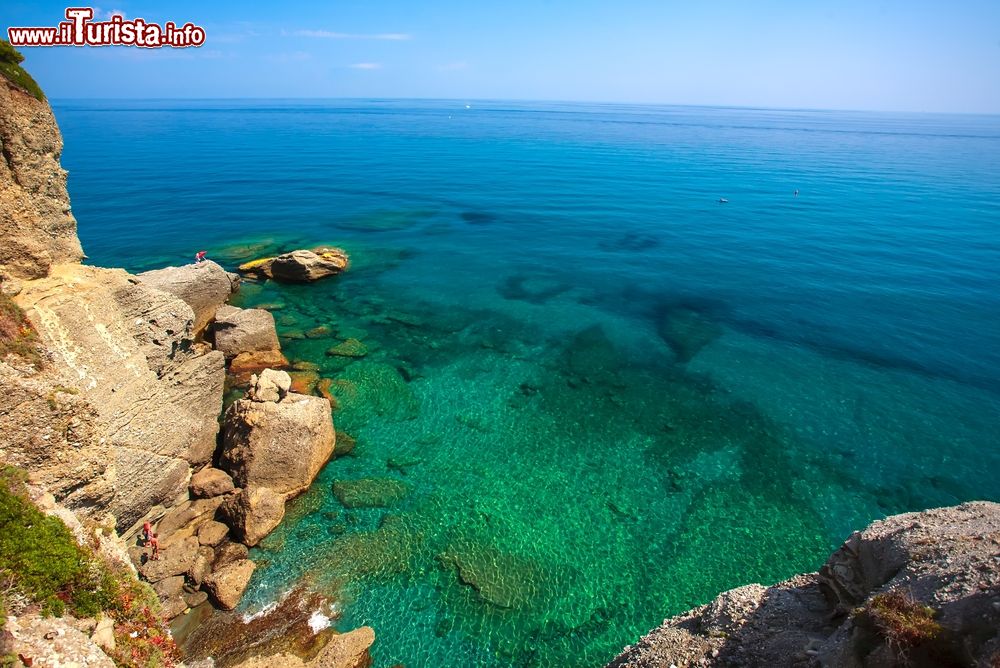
[{"x": 531, "y": 101}]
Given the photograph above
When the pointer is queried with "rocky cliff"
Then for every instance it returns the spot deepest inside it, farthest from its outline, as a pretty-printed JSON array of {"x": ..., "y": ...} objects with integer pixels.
[
  {"x": 920, "y": 589},
  {"x": 36, "y": 223},
  {"x": 113, "y": 391}
]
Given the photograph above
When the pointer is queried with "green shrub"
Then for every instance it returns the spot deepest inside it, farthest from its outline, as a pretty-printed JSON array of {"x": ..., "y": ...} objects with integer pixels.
[
  {"x": 40, "y": 557},
  {"x": 10, "y": 67}
]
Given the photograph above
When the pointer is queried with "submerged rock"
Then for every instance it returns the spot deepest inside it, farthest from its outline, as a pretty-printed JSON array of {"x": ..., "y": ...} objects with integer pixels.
[
  {"x": 299, "y": 266},
  {"x": 348, "y": 348},
  {"x": 687, "y": 331},
  {"x": 501, "y": 579},
  {"x": 370, "y": 492}
]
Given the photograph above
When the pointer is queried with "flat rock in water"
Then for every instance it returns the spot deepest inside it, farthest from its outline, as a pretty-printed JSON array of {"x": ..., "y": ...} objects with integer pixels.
[{"x": 299, "y": 266}]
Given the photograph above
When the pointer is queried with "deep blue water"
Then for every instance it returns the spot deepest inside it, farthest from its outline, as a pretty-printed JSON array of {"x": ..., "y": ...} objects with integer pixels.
[{"x": 836, "y": 351}]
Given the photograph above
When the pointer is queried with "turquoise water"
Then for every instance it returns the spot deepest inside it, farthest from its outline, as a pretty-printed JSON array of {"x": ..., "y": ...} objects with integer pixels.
[{"x": 593, "y": 394}]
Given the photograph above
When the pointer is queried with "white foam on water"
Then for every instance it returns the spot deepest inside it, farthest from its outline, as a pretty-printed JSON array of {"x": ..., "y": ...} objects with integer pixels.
[{"x": 318, "y": 621}]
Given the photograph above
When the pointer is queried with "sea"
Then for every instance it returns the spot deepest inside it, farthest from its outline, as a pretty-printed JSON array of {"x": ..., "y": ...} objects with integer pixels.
[{"x": 616, "y": 359}]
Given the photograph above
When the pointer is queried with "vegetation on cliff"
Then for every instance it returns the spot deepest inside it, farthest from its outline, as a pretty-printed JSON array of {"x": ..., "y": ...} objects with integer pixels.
[
  {"x": 43, "y": 567},
  {"x": 17, "y": 336},
  {"x": 10, "y": 67}
]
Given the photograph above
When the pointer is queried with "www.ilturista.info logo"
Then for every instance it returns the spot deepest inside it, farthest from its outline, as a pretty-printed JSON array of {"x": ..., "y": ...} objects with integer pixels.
[{"x": 81, "y": 30}]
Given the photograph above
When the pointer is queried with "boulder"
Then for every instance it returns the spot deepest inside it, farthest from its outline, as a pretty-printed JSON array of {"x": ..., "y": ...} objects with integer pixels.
[
  {"x": 229, "y": 552},
  {"x": 254, "y": 513},
  {"x": 239, "y": 330},
  {"x": 204, "y": 286},
  {"x": 168, "y": 588},
  {"x": 194, "y": 599},
  {"x": 299, "y": 266},
  {"x": 104, "y": 634},
  {"x": 282, "y": 444},
  {"x": 210, "y": 482},
  {"x": 270, "y": 386},
  {"x": 212, "y": 533},
  {"x": 202, "y": 565},
  {"x": 226, "y": 585}
]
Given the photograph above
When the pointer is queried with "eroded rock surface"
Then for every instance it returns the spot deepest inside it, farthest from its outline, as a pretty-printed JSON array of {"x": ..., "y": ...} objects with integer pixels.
[
  {"x": 275, "y": 438},
  {"x": 37, "y": 227},
  {"x": 145, "y": 399},
  {"x": 241, "y": 330},
  {"x": 204, "y": 286},
  {"x": 941, "y": 566}
]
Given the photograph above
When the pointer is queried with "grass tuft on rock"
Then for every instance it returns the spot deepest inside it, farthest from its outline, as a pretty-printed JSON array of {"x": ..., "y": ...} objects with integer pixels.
[
  {"x": 17, "y": 336},
  {"x": 902, "y": 621},
  {"x": 10, "y": 67}
]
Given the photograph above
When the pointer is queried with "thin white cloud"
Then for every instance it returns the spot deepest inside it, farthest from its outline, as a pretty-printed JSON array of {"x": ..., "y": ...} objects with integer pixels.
[
  {"x": 292, "y": 57},
  {"x": 365, "y": 66},
  {"x": 329, "y": 34},
  {"x": 102, "y": 15}
]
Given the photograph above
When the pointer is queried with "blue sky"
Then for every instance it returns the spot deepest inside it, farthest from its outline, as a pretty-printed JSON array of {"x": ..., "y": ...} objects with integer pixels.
[{"x": 882, "y": 55}]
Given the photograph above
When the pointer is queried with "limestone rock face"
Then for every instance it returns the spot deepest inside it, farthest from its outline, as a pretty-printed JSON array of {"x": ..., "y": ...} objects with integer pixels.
[
  {"x": 277, "y": 444},
  {"x": 940, "y": 564},
  {"x": 52, "y": 641},
  {"x": 49, "y": 429},
  {"x": 254, "y": 513},
  {"x": 204, "y": 286},
  {"x": 227, "y": 584},
  {"x": 149, "y": 399},
  {"x": 239, "y": 330},
  {"x": 36, "y": 224},
  {"x": 300, "y": 266},
  {"x": 210, "y": 482}
]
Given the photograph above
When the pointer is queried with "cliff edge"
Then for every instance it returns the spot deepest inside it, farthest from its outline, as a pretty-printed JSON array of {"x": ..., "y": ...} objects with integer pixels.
[{"x": 919, "y": 589}]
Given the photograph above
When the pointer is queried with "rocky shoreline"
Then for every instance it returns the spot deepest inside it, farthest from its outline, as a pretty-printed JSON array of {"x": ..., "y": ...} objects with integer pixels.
[
  {"x": 918, "y": 589},
  {"x": 119, "y": 422}
]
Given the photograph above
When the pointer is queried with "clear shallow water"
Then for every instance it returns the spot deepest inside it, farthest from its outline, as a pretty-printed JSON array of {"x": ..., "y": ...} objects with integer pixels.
[{"x": 594, "y": 396}]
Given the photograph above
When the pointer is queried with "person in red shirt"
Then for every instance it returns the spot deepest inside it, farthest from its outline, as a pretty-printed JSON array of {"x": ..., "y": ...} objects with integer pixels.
[
  {"x": 155, "y": 544},
  {"x": 147, "y": 532},
  {"x": 200, "y": 256}
]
